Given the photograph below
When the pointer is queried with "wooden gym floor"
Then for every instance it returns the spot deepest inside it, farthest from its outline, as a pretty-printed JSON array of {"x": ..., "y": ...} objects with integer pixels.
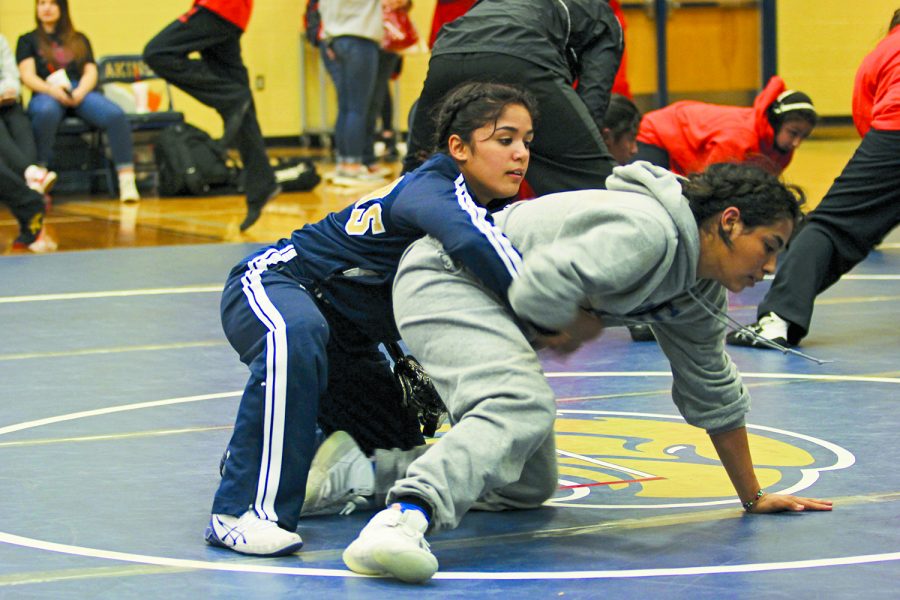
[{"x": 83, "y": 222}]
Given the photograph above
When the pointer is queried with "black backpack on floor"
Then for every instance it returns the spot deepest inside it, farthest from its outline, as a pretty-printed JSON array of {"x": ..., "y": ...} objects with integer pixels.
[
  {"x": 296, "y": 174},
  {"x": 190, "y": 162}
]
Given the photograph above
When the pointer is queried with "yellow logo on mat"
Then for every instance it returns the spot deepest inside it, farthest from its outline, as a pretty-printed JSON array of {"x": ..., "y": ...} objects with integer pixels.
[{"x": 608, "y": 459}]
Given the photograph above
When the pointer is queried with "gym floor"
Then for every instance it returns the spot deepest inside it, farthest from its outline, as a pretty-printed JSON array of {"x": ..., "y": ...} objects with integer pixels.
[{"x": 119, "y": 393}]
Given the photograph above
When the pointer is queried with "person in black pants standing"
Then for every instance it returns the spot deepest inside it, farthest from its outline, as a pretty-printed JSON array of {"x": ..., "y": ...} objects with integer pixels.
[
  {"x": 543, "y": 46},
  {"x": 219, "y": 79},
  {"x": 860, "y": 209}
]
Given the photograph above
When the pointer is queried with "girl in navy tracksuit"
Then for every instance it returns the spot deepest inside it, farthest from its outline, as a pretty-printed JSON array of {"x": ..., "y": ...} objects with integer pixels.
[{"x": 322, "y": 299}]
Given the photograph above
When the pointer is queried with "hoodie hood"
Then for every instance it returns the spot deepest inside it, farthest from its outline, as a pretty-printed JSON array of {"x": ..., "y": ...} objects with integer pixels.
[
  {"x": 697, "y": 134},
  {"x": 644, "y": 178},
  {"x": 761, "y": 104}
]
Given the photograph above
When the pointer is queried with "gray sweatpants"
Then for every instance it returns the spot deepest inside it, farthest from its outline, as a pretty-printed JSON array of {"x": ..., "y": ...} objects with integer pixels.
[{"x": 500, "y": 452}]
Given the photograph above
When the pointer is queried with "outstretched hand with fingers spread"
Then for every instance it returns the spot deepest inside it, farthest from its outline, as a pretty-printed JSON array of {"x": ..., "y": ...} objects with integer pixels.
[{"x": 771, "y": 503}]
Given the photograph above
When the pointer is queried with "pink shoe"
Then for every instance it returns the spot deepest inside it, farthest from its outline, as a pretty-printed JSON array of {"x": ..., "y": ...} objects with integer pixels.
[{"x": 40, "y": 179}]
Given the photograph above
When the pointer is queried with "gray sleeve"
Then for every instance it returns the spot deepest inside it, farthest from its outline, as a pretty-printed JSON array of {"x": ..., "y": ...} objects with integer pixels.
[
  {"x": 707, "y": 387},
  {"x": 9, "y": 76},
  {"x": 584, "y": 264}
]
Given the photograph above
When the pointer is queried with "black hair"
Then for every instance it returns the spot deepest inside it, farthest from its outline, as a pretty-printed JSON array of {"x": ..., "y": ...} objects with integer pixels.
[
  {"x": 622, "y": 116},
  {"x": 895, "y": 20},
  {"x": 762, "y": 198},
  {"x": 791, "y": 106},
  {"x": 470, "y": 106}
]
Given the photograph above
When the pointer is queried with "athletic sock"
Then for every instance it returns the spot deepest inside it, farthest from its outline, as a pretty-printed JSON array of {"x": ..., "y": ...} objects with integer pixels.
[{"x": 415, "y": 503}]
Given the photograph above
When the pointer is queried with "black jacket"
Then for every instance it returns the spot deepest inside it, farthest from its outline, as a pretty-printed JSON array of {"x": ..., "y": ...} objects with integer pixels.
[{"x": 575, "y": 39}]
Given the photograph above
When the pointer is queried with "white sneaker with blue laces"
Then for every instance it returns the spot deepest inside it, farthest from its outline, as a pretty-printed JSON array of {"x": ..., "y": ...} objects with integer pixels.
[
  {"x": 251, "y": 535},
  {"x": 393, "y": 543}
]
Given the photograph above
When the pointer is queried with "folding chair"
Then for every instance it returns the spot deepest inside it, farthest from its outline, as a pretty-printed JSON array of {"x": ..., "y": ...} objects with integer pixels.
[{"x": 119, "y": 76}]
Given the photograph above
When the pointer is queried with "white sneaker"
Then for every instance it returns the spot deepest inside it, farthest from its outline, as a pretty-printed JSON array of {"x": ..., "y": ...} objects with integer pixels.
[
  {"x": 382, "y": 172},
  {"x": 393, "y": 543},
  {"x": 39, "y": 179},
  {"x": 42, "y": 244},
  {"x": 360, "y": 180},
  {"x": 251, "y": 535},
  {"x": 770, "y": 327},
  {"x": 340, "y": 478},
  {"x": 128, "y": 191},
  {"x": 355, "y": 176}
]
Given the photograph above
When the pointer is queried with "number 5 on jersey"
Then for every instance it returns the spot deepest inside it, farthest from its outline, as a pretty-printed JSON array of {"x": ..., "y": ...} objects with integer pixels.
[
  {"x": 366, "y": 214},
  {"x": 365, "y": 218}
]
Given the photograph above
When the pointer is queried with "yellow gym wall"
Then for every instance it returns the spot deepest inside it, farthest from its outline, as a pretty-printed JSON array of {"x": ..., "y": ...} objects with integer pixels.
[
  {"x": 123, "y": 27},
  {"x": 821, "y": 43},
  {"x": 271, "y": 49}
]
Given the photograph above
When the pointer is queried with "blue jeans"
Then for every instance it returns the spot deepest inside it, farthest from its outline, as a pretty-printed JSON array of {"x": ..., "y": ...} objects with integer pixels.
[
  {"x": 46, "y": 114},
  {"x": 353, "y": 71}
]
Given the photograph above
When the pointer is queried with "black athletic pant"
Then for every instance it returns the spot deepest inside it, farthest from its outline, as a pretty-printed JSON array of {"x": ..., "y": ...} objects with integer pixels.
[
  {"x": 568, "y": 152},
  {"x": 26, "y": 205},
  {"x": 218, "y": 79},
  {"x": 862, "y": 206},
  {"x": 17, "y": 147}
]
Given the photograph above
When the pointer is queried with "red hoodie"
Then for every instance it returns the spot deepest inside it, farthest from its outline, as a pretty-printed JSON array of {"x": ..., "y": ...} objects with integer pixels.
[
  {"x": 235, "y": 11},
  {"x": 620, "y": 84},
  {"x": 696, "y": 134},
  {"x": 446, "y": 11},
  {"x": 876, "y": 91}
]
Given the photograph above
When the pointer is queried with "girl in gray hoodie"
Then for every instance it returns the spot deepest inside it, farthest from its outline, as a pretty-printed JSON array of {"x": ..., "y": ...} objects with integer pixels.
[{"x": 654, "y": 248}]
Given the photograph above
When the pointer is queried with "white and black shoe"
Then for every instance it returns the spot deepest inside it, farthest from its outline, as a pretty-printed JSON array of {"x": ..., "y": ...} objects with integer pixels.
[
  {"x": 641, "y": 332},
  {"x": 770, "y": 327}
]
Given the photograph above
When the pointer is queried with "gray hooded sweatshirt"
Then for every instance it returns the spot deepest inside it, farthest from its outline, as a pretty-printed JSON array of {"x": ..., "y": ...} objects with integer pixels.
[{"x": 629, "y": 256}]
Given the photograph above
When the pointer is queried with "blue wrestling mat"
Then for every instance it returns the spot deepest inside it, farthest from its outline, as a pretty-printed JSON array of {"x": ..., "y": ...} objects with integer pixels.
[{"x": 119, "y": 393}]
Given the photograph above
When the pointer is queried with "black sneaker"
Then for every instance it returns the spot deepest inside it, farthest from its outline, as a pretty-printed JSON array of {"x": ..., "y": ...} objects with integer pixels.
[
  {"x": 770, "y": 327},
  {"x": 391, "y": 155},
  {"x": 255, "y": 208},
  {"x": 641, "y": 333}
]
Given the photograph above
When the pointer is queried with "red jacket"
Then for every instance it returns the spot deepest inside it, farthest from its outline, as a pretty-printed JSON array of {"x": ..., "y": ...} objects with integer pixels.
[
  {"x": 696, "y": 134},
  {"x": 446, "y": 11},
  {"x": 235, "y": 11},
  {"x": 620, "y": 85},
  {"x": 876, "y": 91}
]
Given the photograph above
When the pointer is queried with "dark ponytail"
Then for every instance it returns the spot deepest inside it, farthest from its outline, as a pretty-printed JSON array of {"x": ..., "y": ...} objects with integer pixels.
[
  {"x": 762, "y": 198},
  {"x": 622, "y": 116},
  {"x": 470, "y": 106}
]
